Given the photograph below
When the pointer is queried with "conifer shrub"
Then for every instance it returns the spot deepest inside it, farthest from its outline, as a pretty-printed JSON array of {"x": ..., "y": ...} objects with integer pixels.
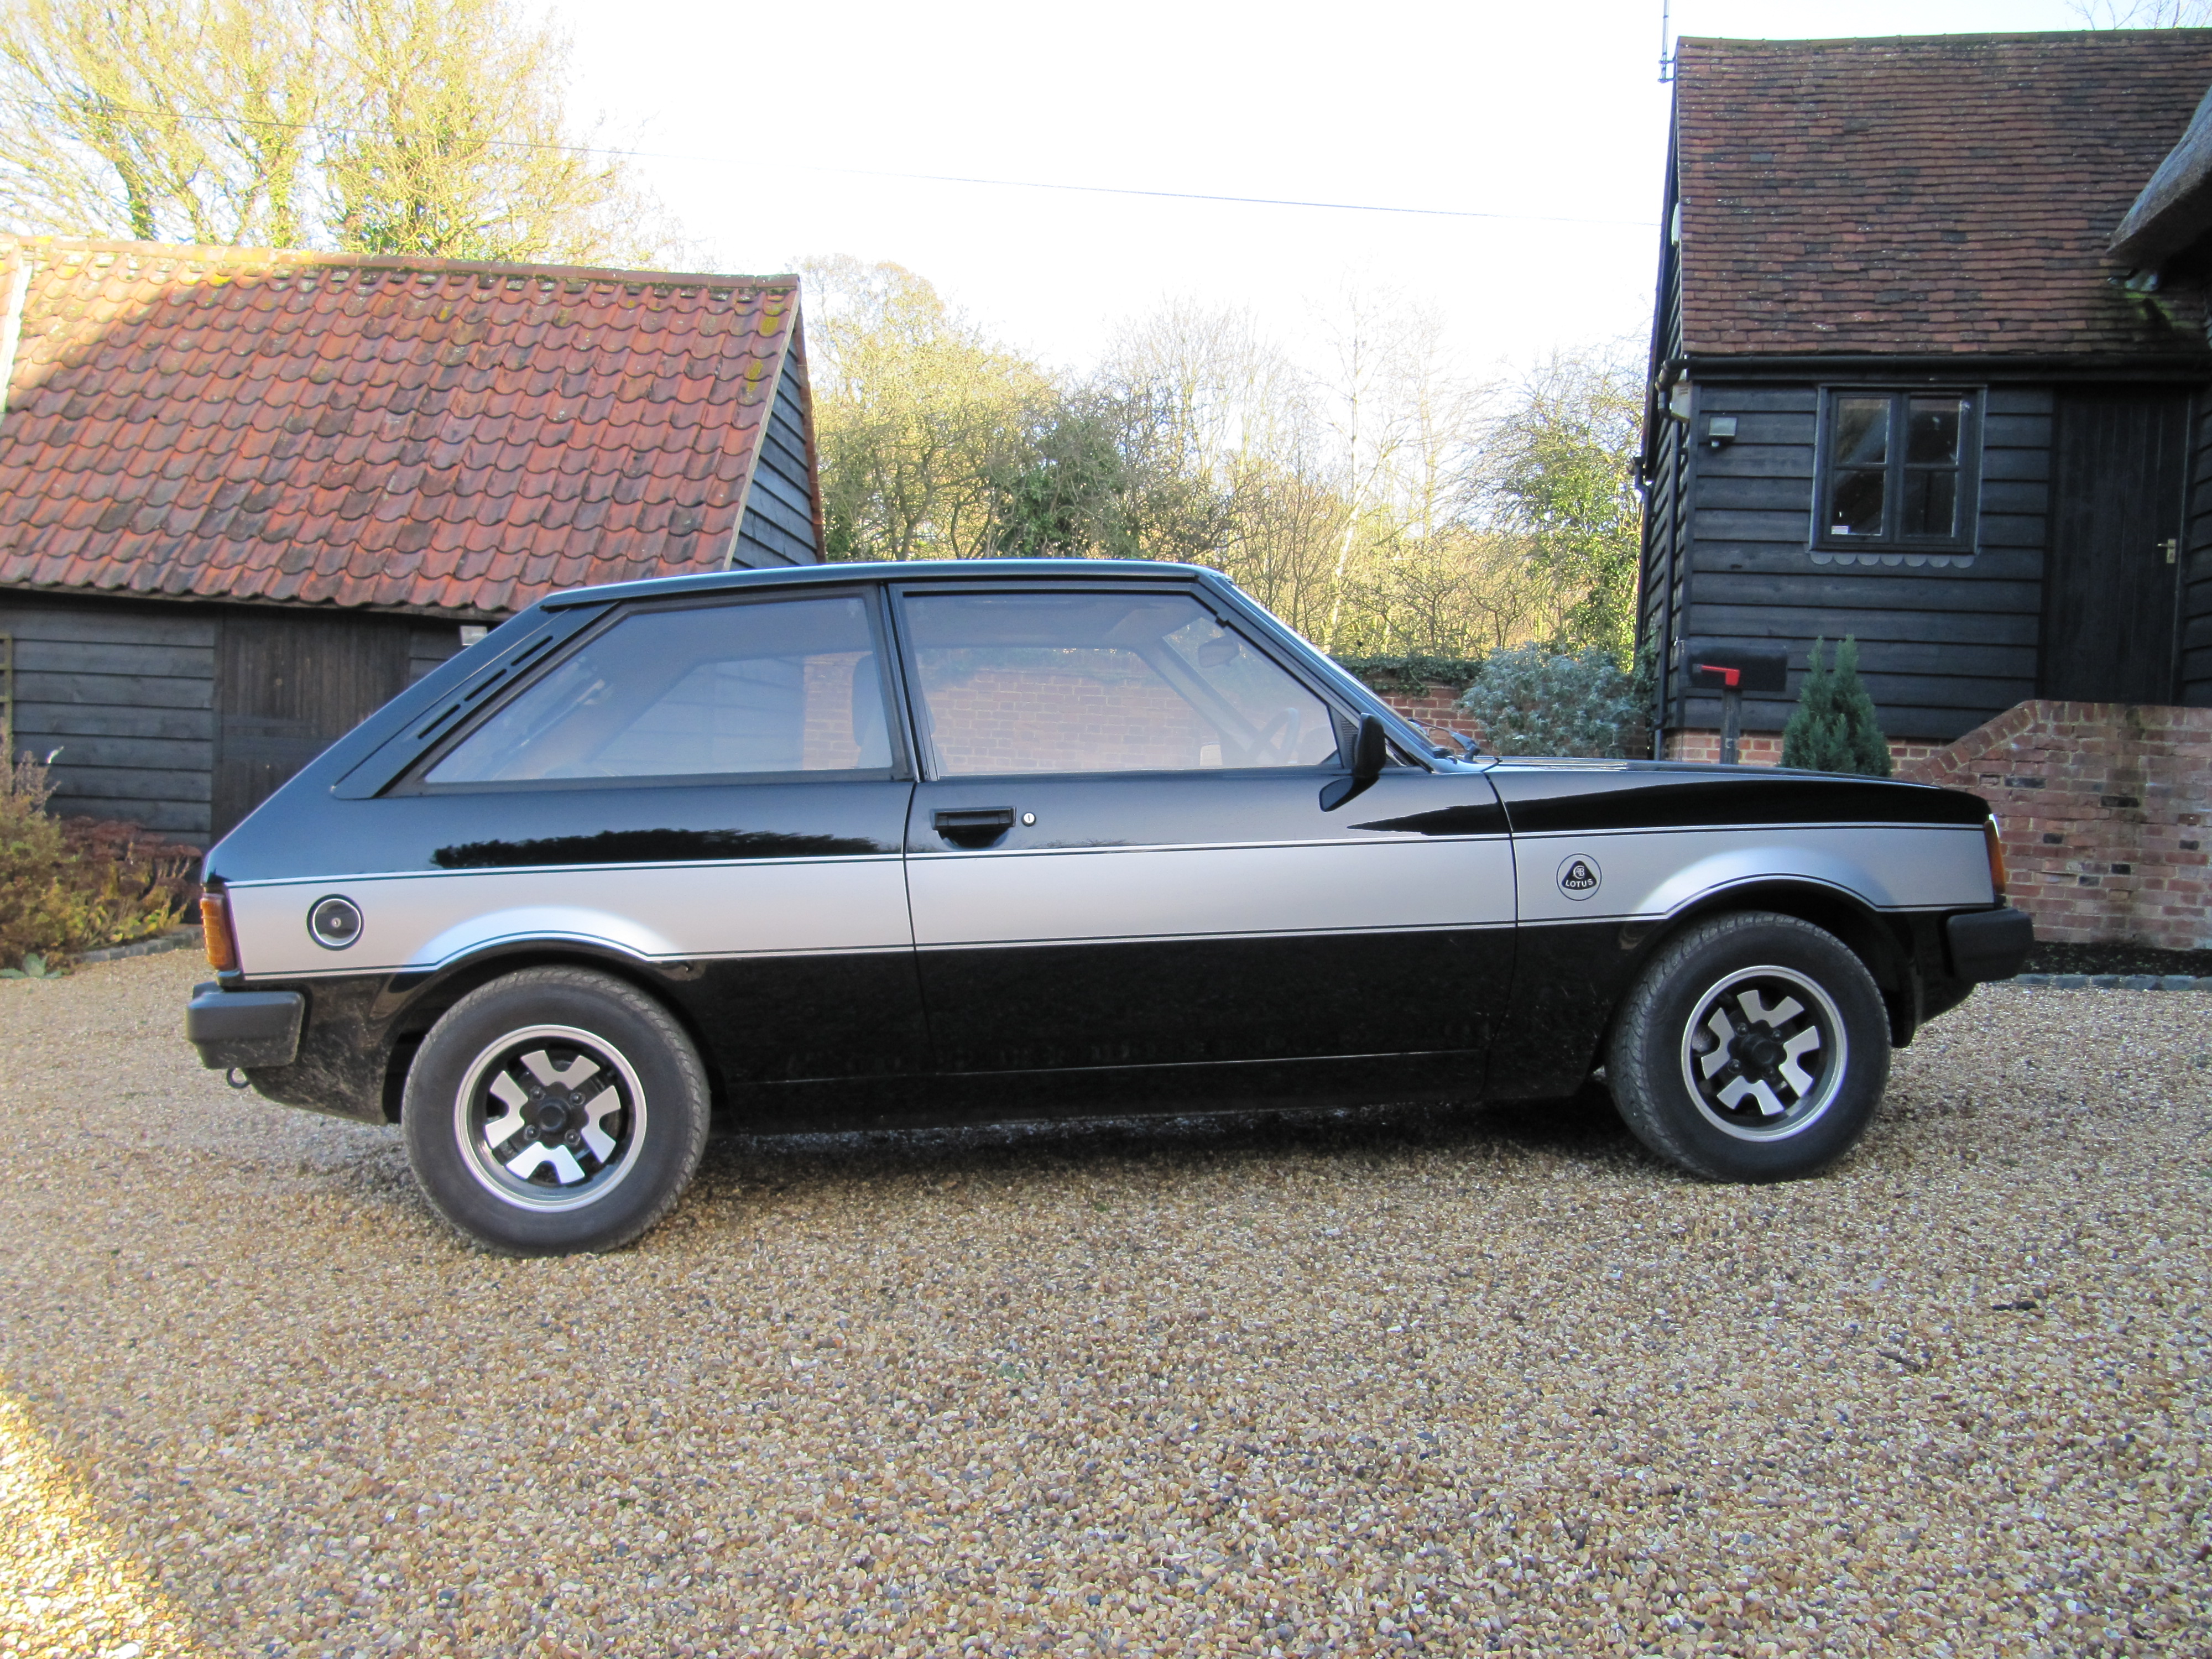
[
  {"x": 73, "y": 884},
  {"x": 1533, "y": 700},
  {"x": 1834, "y": 728}
]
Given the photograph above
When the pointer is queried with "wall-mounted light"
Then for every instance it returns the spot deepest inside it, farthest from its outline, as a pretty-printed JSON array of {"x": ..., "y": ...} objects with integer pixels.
[{"x": 1720, "y": 431}]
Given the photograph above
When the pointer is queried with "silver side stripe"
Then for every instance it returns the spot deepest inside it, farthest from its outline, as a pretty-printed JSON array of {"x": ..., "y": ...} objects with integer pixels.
[
  {"x": 880, "y": 903},
  {"x": 1183, "y": 892},
  {"x": 1657, "y": 873},
  {"x": 776, "y": 907}
]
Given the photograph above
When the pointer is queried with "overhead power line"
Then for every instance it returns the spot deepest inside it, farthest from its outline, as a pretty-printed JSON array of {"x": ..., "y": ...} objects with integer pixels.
[
  {"x": 206, "y": 118},
  {"x": 1248, "y": 200}
]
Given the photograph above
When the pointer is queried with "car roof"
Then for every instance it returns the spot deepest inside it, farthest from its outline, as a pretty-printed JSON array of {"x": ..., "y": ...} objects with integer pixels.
[{"x": 908, "y": 570}]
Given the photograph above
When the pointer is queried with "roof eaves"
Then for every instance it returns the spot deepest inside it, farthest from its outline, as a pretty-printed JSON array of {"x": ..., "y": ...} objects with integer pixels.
[{"x": 2175, "y": 207}]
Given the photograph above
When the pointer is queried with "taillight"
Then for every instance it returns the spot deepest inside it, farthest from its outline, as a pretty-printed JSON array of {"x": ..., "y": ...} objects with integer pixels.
[
  {"x": 1990, "y": 834},
  {"x": 221, "y": 943}
]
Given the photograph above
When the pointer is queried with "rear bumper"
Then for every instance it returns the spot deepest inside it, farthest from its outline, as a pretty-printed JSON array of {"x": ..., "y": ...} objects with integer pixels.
[
  {"x": 244, "y": 1027},
  {"x": 1987, "y": 945}
]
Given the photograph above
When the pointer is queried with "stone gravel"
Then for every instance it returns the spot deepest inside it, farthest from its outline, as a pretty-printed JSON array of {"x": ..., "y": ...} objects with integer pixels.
[{"x": 1394, "y": 1381}]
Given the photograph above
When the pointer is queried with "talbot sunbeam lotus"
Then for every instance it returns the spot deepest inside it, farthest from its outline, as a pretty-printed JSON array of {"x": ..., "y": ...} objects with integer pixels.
[{"x": 867, "y": 846}]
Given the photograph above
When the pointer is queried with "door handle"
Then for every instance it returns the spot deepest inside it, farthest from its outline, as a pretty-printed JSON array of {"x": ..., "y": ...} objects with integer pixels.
[
  {"x": 974, "y": 827},
  {"x": 2172, "y": 546}
]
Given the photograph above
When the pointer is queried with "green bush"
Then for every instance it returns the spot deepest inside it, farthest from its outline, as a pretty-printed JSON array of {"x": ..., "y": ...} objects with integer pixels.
[
  {"x": 73, "y": 884},
  {"x": 1533, "y": 700},
  {"x": 1835, "y": 728}
]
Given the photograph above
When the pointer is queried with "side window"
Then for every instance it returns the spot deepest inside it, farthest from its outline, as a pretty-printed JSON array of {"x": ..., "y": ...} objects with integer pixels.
[
  {"x": 1073, "y": 682},
  {"x": 1899, "y": 470},
  {"x": 776, "y": 686}
]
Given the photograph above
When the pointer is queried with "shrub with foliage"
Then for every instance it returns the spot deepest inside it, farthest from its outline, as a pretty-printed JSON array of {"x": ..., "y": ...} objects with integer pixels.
[
  {"x": 73, "y": 884},
  {"x": 1835, "y": 728},
  {"x": 1533, "y": 700}
]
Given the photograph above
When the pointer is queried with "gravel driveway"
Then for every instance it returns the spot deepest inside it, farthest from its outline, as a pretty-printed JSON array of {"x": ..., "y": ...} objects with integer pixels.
[{"x": 1428, "y": 1382}]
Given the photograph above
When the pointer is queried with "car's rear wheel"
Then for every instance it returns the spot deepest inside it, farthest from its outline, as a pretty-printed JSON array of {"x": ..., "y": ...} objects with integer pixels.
[
  {"x": 555, "y": 1109},
  {"x": 1754, "y": 1048}
]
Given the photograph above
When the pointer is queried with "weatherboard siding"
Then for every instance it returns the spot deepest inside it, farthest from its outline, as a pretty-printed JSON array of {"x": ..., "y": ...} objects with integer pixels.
[
  {"x": 122, "y": 696},
  {"x": 2196, "y": 571},
  {"x": 122, "y": 693},
  {"x": 778, "y": 526}
]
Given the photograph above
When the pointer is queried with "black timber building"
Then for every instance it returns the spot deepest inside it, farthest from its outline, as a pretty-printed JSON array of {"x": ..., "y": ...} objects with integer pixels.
[{"x": 1906, "y": 388}]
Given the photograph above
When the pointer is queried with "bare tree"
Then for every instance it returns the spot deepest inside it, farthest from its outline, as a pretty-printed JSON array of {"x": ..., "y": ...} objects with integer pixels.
[
  {"x": 455, "y": 142},
  {"x": 422, "y": 126},
  {"x": 2143, "y": 14}
]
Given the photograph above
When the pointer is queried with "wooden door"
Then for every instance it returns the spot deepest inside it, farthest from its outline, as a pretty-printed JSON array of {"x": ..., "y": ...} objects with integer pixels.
[
  {"x": 2110, "y": 593},
  {"x": 287, "y": 685}
]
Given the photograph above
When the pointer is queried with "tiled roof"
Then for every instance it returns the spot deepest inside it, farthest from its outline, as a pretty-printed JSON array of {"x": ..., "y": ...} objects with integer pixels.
[
  {"x": 239, "y": 423},
  {"x": 1952, "y": 193}
]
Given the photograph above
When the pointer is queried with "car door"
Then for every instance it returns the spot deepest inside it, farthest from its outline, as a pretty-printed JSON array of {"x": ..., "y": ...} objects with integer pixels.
[
  {"x": 1118, "y": 856},
  {"x": 712, "y": 786}
]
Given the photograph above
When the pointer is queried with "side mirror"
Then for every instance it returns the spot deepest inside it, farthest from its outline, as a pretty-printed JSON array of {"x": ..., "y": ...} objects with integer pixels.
[{"x": 1369, "y": 751}]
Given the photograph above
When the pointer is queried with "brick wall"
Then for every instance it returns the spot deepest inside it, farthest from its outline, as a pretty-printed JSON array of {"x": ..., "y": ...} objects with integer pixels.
[
  {"x": 1765, "y": 748},
  {"x": 1435, "y": 706},
  {"x": 2105, "y": 808}
]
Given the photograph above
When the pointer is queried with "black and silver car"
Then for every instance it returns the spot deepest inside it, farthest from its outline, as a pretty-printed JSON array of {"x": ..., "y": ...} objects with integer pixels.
[{"x": 870, "y": 845}]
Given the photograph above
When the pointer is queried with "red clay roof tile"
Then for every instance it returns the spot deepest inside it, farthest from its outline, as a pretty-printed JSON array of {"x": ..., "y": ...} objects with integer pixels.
[
  {"x": 239, "y": 423},
  {"x": 1925, "y": 195}
]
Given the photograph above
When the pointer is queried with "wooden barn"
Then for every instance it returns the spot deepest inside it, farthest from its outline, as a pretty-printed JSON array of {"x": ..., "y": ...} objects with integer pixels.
[
  {"x": 1906, "y": 388},
  {"x": 247, "y": 496}
]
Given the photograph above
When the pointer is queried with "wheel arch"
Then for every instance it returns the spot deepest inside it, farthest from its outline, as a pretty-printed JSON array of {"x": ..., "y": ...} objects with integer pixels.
[
  {"x": 422, "y": 998},
  {"x": 1882, "y": 942}
]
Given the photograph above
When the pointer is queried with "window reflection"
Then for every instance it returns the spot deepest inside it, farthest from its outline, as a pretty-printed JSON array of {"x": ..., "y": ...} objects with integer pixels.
[
  {"x": 789, "y": 686},
  {"x": 1932, "y": 429},
  {"x": 1080, "y": 682},
  {"x": 1931, "y": 501},
  {"x": 1862, "y": 431}
]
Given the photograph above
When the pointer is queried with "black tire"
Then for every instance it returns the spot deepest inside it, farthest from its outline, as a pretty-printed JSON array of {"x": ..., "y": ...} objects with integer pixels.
[
  {"x": 1795, "y": 1082},
  {"x": 555, "y": 1110}
]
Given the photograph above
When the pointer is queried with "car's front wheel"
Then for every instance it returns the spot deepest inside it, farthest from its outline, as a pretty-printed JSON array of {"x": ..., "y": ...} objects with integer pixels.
[
  {"x": 555, "y": 1109},
  {"x": 1754, "y": 1048}
]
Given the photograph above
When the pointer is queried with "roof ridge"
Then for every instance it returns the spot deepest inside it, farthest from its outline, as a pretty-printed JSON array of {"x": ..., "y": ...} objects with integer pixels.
[
  {"x": 277, "y": 257},
  {"x": 1962, "y": 38}
]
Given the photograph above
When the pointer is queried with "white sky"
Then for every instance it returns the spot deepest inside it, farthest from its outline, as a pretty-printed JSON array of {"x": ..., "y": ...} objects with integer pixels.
[{"x": 1545, "y": 110}]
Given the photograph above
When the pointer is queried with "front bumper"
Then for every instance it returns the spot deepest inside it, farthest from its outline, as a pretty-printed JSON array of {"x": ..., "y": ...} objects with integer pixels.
[
  {"x": 1986, "y": 945},
  {"x": 244, "y": 1027}
]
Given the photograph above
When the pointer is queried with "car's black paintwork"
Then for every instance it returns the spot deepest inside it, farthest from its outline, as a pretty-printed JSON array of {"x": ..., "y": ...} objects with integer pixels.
[
  {"x": 1657, "y": 794},
  {"x": 880, "y": 1037}
]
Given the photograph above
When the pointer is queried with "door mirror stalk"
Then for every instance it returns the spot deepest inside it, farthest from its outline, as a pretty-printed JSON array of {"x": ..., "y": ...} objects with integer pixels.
[{"x": 1369, "y": 751}]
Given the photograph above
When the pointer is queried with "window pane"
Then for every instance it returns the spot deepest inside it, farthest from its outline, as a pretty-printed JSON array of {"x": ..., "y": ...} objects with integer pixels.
[
  {"x": 1862, "y": 431},
  {"x": 1855, "y": 509},
  {"x": 1931, "y": 499},
  {"x": 1931, "y": 429},
  {"x": 786, "y": 686},
  {"x": 1104, "y": 683}
]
